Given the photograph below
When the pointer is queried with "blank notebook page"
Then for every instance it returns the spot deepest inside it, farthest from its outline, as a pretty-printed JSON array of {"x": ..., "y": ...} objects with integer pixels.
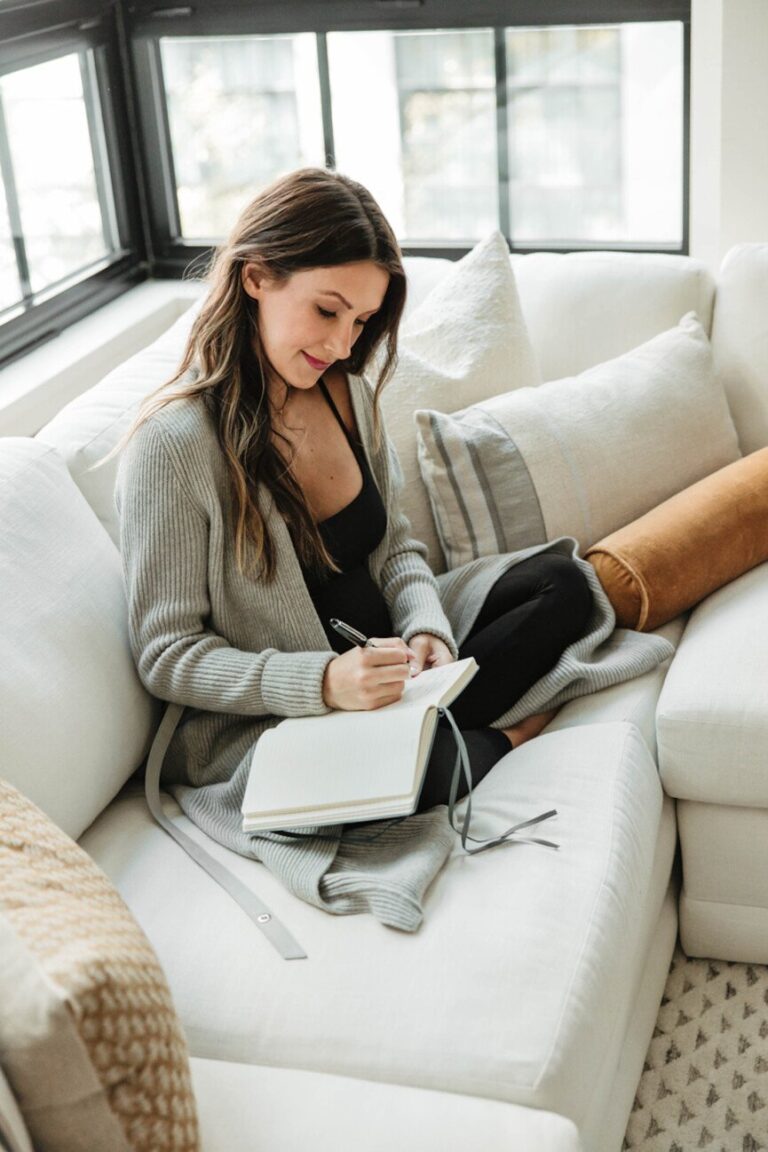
[{"x": 345, "y": 757}]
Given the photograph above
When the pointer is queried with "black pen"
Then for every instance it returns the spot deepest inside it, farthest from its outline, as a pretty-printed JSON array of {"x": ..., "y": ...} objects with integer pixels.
[
  {"x": 355, "y": 637},
  {"x": 351, "y": 634}
]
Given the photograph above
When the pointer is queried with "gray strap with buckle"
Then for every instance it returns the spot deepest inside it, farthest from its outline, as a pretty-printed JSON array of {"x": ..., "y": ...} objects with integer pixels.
[{"x": 276, "y": 932}]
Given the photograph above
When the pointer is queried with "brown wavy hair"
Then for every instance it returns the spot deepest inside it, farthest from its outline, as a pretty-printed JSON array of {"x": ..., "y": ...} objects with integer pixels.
[{"x": 311, "y": 218}]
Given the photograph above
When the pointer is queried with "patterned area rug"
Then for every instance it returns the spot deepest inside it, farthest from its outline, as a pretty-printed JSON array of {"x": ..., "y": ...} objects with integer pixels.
[{"x": 705, "y": 1081}]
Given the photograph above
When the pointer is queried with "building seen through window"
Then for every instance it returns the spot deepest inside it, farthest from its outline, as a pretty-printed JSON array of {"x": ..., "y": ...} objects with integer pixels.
[
  {"x": 589, "y": 150},
  {"x": 56, "y": 211},
  {"x": 422, "y": 131},
  {"x": 241, "y": 110},
  {"x": 596, "y": 133}
]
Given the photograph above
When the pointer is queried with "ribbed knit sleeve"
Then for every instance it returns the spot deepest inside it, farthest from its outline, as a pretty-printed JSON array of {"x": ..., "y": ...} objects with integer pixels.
[
  {"x": 165, "y": 553},
  {"x": 406, "y": 580}
]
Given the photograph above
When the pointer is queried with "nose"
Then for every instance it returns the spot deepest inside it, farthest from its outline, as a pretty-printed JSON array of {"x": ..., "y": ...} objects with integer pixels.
[{"x": 341, "y": 340}]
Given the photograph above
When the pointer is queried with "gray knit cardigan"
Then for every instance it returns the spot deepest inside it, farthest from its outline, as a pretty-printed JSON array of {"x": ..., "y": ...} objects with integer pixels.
[{"x": 240, "y": 654}]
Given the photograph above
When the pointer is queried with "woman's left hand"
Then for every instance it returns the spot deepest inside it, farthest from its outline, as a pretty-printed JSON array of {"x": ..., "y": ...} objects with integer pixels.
[{"x": 430, "y": 652}]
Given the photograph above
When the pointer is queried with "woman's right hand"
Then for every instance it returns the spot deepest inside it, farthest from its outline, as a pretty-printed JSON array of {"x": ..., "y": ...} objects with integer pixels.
[{"x": 367, "y": 678}]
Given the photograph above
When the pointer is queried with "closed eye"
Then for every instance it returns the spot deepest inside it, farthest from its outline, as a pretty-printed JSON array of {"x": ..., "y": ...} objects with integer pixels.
[{"x": 328, "y": 315}]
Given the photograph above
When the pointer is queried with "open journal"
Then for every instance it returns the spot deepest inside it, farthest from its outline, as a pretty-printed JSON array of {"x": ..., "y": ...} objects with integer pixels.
[{"x": 348, "y": 766}]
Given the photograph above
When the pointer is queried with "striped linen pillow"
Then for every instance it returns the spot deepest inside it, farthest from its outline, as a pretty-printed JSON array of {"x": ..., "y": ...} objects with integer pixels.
[{"x": 577, "y": 457}]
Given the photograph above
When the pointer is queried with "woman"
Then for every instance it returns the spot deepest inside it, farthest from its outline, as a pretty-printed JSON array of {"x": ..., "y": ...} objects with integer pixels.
[{"x": 257, "y": 502}]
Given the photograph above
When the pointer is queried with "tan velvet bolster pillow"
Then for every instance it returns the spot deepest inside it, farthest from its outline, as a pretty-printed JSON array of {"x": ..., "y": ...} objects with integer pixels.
[{"x": 682, "y": 550}]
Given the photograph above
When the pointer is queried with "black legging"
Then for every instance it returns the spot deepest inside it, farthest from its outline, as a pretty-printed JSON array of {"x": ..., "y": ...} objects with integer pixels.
[{"x": 531, "y": 614}]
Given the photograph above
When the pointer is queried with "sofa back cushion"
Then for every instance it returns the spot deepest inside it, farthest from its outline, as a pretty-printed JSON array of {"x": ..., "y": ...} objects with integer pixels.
[
  {"x": 76, "y": 721},
  {"x": 584, "y": 308},
  {"x": 579, "y": 310},
  {"x": 87, "y": 428},
  {"x": 740, "y": 341}
]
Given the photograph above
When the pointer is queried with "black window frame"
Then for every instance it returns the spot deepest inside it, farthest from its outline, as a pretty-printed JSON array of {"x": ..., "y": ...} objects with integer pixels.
[
  {"x": 149, "y": 20},
  {"x": 37, "y": 32},
  {"x": 123, "y": 35}
]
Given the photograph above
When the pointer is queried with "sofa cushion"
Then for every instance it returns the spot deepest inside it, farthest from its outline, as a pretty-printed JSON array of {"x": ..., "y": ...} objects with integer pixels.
[
  {"x": 521, "y": 977},
  {"x": 712, "y": 717},
  {"x": 740, "y": 340},
  {"x": 724, "y": 903},
  {"x": 577, "y": 457},
  {"x": 89, "y": 1038},
  {"x": 583, "y": 308},
  {"x": 423, "y": 273},
  {"x": 687, "y": 547},
  {"x": 339, "y": 1113},
  {"x": 75, "y": 719},
  {"x": 466, "y": 341},
  {"x": 87, "y": 428}
]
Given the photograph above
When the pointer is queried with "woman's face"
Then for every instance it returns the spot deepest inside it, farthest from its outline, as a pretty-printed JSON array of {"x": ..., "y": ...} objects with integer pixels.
[{"x": 313, "y": 318}]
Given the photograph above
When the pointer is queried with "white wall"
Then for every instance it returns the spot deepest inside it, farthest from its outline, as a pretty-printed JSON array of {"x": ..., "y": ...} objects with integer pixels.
[
  {"x": 729, "y": 126},
  {"x": 652, "y": 96}
]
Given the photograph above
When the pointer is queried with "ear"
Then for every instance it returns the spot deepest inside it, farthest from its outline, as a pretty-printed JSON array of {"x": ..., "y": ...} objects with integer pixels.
[{"x": 253, "y": 279}]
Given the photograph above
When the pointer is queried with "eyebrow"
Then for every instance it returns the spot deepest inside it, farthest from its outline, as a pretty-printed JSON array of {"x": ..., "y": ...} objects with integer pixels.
[{"x": 338, "y": 295}]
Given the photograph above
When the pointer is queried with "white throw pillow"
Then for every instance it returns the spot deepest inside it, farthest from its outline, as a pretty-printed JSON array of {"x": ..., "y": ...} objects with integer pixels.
[
  {"x": 75, "y": 719},
  {"x": 466, "y": 341},
  {"x": 577, "y": 457}
]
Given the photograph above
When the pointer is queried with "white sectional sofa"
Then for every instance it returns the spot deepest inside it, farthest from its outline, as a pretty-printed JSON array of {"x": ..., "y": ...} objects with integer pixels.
[{"x": 519, "y": 1014}]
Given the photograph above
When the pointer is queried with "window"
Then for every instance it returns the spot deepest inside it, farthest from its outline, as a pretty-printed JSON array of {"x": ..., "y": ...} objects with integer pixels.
[
  {"x": 56, "y": 174},
  {"x": 133, "y": 132},
  {"x": 10, "y": 286},
  {"x": 69, "y": 239},
  {"x": 240, "y": 109},
  {"x": 596, "y": 134},
  {"x": 564, "y": 136},
  {"x": 423, "y": 136}
]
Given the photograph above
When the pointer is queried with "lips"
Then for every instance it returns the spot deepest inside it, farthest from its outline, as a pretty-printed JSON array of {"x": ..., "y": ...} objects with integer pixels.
[{"x": 318, "y": 365}]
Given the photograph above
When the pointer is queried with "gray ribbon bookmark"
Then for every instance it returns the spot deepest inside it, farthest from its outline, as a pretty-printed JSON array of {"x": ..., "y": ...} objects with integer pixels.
[
  {"x": 462, "y": 763},
  {"x": 276, "y": 932}
]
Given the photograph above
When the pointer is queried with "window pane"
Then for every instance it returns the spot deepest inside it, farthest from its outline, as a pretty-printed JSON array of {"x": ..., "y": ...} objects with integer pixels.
[
  {"x": 10, "y": 288},
  {"x": 414, "y": 120},
  {"x": 242, "y": 111},
  {"x": 55, "y": 173},
  {"x": 596, "y": 133}
]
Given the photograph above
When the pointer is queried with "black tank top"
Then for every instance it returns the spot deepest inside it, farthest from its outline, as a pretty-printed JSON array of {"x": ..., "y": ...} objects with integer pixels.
[{"x": 350, "y": 535}]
